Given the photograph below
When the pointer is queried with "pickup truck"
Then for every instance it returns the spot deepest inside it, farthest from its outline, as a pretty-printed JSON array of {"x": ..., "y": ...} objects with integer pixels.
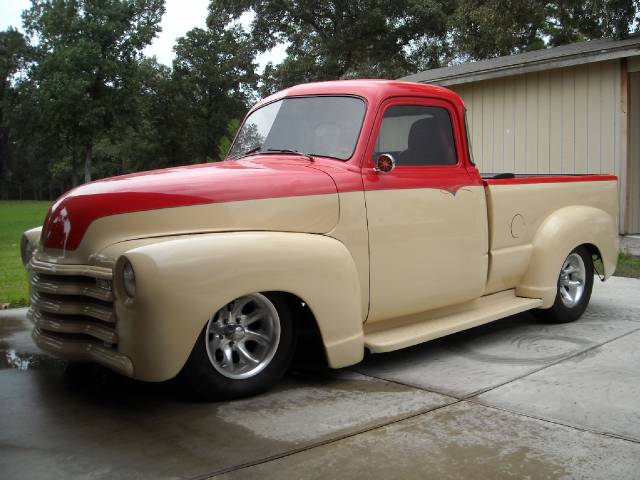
[{"x": 350, "y": 206}]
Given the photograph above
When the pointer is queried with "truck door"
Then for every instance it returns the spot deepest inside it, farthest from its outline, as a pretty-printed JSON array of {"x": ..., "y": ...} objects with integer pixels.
[{"x": 427, "y": 218}]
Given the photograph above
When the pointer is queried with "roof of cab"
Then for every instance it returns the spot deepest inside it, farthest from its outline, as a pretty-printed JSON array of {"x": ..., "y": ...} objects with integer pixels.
[{"x": 374, "y": 91}]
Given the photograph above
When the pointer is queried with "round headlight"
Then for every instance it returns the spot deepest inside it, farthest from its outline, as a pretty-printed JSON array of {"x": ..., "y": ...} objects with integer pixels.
[
  {"x": 26, "y": 250},
  {"x": 129, "y": 279}
]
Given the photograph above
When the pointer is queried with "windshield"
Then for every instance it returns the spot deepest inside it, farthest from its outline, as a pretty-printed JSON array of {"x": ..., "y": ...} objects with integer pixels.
[{"x": 324, "y": 126}]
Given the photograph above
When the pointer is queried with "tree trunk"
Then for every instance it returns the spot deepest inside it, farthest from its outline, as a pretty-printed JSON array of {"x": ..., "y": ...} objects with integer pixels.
[
  {"x": 74, "y": 167},
  {"x": 4, "y": 165},
  {"x": 87, "y": 163}
]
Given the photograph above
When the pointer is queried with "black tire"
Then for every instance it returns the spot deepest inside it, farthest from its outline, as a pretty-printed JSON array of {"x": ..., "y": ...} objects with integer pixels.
[
  {"x": 560, "y": 312},
  {"x": 209, "y": 384}
]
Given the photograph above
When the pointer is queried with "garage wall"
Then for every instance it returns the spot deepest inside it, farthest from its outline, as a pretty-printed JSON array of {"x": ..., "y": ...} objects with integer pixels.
[
  {"x": 558, "y": 121},
  {"x": 633, "y": 171}
]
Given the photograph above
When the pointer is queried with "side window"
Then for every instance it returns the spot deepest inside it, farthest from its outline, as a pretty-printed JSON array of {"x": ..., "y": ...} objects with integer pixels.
[{"x": 417, "y": 135}]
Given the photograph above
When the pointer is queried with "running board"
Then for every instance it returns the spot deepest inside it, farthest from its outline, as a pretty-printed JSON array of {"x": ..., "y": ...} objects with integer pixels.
[{"x": 420, "y": 328}]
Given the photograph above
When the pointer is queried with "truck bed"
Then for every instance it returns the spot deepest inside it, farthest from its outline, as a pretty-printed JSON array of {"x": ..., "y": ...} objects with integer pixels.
[{"x": 519, "y": 204}]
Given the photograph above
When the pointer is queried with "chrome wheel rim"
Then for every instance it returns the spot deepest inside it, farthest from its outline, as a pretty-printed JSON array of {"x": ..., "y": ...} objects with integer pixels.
[
  {"x": 572, "y": 279},
  {"x": 243, "y": 336}
]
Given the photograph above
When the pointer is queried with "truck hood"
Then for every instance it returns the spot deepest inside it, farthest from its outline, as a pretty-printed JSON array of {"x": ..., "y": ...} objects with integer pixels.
[{"x": 230, "y": 183}]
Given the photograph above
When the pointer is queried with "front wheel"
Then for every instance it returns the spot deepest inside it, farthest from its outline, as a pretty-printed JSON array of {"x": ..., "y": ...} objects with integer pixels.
[
  {"x": 244, "y": 348},
  {"x": 575, "y": 283}
]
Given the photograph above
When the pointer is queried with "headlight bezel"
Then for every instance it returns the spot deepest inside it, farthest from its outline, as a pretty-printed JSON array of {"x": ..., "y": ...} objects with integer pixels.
[
  {"x": 128, "y": 279},
  {"x": 27, "y": 250}
]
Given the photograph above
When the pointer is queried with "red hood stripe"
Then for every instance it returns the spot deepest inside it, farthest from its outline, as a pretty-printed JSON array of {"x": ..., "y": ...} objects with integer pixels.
[{"x": 255, "y": 178}]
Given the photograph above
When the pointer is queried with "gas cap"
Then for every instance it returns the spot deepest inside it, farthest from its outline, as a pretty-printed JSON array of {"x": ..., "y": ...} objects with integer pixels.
[{"x": 517, "y": 225}]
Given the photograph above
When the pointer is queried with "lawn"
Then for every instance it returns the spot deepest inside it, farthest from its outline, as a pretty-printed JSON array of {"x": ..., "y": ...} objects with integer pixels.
[
  {"x": 628, "y": 266},
  {"x": 15, "y": 218}
]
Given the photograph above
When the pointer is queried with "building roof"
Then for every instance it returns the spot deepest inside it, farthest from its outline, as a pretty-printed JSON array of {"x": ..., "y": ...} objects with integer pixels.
[{"x": 538, "y": 60}]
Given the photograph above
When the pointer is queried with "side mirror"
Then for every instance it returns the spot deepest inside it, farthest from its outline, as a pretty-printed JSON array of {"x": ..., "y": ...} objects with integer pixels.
[{"x": 385, "y": 163}]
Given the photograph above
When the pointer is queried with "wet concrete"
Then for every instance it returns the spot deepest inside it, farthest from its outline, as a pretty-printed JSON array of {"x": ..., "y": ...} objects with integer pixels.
[
  {"x": 404, "y": 415},
  {"x": 470, "y": 362},
  {"x": 59, "y": 423},
  {"x": 462, "y": 441},
  {"x": 598, "y": 390},
  {"x": 54, "y": 429}
]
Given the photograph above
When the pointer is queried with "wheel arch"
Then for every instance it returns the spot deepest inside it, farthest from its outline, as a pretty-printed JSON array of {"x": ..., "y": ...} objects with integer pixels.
[
  {"x": 310, "y": 346},
  {"x": 560, "y": 233}
]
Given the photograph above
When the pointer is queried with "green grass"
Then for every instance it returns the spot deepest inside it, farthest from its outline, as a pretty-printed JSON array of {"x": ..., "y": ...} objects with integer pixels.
[
  {"x": 628, "y": 266},
  {"x": 15, "y": 218}
]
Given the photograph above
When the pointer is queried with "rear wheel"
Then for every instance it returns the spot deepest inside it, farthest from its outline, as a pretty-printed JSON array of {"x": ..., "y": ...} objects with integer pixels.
[
  {"x": 244, "y": 348},
  {"x": 575, "y": 283}
]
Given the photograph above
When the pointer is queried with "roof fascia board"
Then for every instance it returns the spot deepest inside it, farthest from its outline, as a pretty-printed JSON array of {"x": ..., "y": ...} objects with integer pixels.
[{"x": 529, "y": 67}]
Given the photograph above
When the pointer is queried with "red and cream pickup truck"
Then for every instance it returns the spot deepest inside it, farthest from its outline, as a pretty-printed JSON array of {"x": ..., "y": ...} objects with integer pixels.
[{"x": 352, "y": 205}]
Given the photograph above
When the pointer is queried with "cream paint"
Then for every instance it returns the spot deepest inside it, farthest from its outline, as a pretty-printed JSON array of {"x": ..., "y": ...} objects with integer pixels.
[
  {"x": 535, "y": 201},
  {"x": 428, "y": 265},
  {"x": 407, "y": 331},
  {"x": 561, "y": 232},
  {"x": 428, "y": 249},
  {"x": 507, "y": 266},
  {"x": 352, "y": 232},
  {"x": 158, "y": 329},
  {"x": 33, "y": 236},
  {"x": 511, "y": 256},
  {"x": 311, "y": 214}
]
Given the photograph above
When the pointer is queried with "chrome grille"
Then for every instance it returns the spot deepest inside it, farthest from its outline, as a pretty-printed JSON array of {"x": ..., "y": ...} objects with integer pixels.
[{"x": 73, "y": 302}]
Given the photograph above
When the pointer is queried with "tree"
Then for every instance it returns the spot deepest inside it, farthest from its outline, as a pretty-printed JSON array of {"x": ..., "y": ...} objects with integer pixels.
[
  {"x": 489, "y": 28},
  {"x": 214, "y": 75},
  {"x": 335, "y": 39},
  {"x": 90, "y": 51},
  {"x": 225, "y": 142},
  {"x": 151, "y": 140},
  {"x": 572, "y": 21},
  {"x": 14, "y": 54}
]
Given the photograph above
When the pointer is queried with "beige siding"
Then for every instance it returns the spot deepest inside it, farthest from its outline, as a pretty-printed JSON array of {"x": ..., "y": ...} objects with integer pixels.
[
  {"x": 633, "y": 172},
  {"x": 558, "y": 121},
  {"x": 544, "y": 116},
  {"x": 569, "y": 120}
]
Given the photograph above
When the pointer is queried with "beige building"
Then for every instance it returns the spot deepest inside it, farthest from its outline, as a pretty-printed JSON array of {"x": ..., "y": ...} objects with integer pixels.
[{"x": 572, "y": 109}]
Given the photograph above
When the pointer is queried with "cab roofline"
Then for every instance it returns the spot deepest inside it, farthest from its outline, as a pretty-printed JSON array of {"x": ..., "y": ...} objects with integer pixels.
[{"x": 372, "y": 90}]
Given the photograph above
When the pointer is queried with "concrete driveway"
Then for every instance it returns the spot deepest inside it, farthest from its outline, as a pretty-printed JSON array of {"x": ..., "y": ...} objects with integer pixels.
[{"x": 514, "y": 399}]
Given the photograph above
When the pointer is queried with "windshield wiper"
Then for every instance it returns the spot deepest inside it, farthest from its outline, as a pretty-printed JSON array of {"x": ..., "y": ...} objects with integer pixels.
[
  {"x": 246, "y": 152},
  {"x": 288, "y": 150}
]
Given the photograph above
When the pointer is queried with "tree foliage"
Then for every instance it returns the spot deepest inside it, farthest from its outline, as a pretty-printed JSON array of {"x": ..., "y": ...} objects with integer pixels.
[
  {"x": 15, "y": 53},
  {"x": 489, "y": 28},
  {"x": 333, "y": 39},
  {"x": 79, "y": 100},
  {"x": 88, "y": 52},
  {"x": 338, "y": 39},
  {"x": 214, "y": 74}
]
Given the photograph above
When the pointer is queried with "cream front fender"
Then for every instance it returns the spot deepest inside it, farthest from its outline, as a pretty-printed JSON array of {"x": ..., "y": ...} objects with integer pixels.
[
  {"x": 561, "y": 232},
  {"x": 182, "y": 282}
]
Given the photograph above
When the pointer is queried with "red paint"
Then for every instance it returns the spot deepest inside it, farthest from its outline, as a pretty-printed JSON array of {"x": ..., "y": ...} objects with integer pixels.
[
  {"x": 550, "y": 179},
  {"x": 375, "y": 93},
  {"x": 448, "y": 178},
  {"x": 251, "y": 178}
]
